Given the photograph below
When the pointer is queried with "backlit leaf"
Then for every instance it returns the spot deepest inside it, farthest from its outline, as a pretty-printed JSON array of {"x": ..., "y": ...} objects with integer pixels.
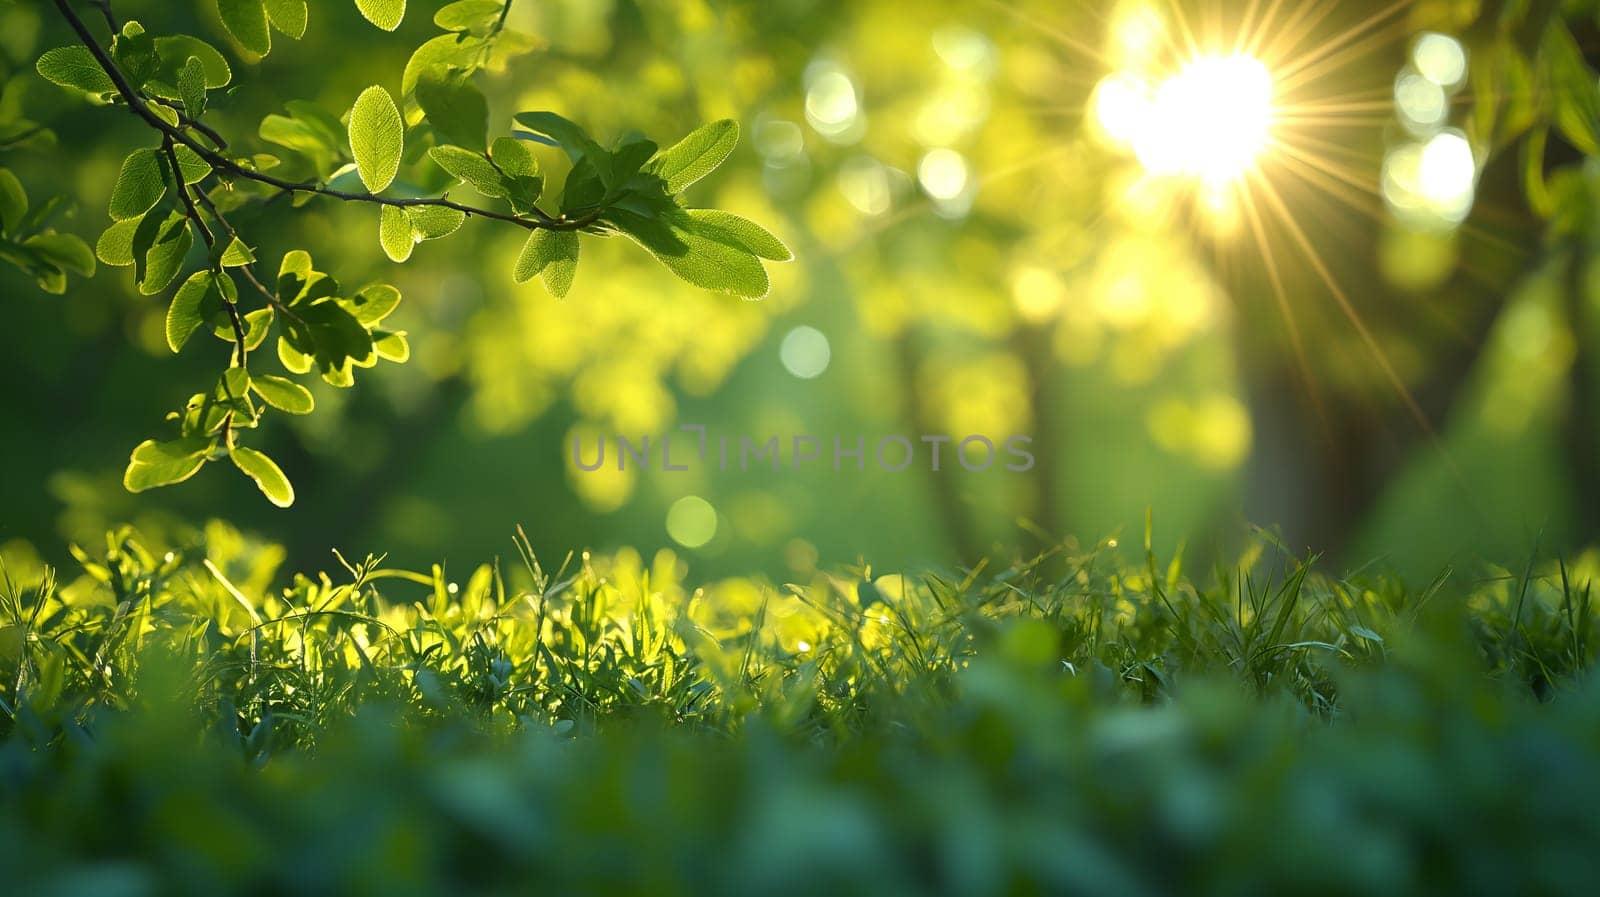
[
  {"x": 164, "y": 463},
  {"x": 695, "y": 156},
  {"x": 377, "y": 138},
  {"x": 386, "y": 14},
  {"x": 268, "y": 476},
  {"x": 246, "y": 20}
]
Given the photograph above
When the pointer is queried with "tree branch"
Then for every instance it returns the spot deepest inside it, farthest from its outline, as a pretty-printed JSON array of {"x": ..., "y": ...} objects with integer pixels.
[
  {"x": 210, "y": 240},
  {"x": 500, "y": 23},
  {"x": 138, "y": 105},
  {"x": 105, "y": 10},
  {"x": 248, "y": 272}
]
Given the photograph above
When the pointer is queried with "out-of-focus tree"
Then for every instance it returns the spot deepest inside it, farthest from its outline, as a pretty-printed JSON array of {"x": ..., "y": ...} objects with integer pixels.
[{"x": 982, "y": 249}]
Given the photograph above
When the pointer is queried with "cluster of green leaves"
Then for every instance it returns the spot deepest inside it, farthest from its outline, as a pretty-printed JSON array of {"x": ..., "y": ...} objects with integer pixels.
[
  {"x": 635, "y": 190},
  {"x": 162, "y": 198},
  {"x": 28, "y": 238},
  {"x": 1068, "y": 724},
  {"x": 28, "y": 242},
  {"x": 1533, "y": 87},
  {"x": 381, "y": 152},
  {"x": 322, "y": 329},
  {"x": 251, "y": 22}
]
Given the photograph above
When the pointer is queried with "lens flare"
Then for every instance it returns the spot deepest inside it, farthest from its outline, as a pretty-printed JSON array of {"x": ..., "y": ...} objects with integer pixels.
[{"x": 1209, "y": 121}]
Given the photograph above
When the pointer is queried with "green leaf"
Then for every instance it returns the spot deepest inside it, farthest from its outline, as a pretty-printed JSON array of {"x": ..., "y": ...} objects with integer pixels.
[
  {"x": 374, "y": 303},
  {"x": 741, "y": 232},
  {"x": 466, "y": 15},
  {"x": 551, "y": 255},
  {"x": 572, "y": 139},
  {"x": 194, "y": 304},
  {"x": 165, "y": 257},
  {"x": 391, "y": 346},
  {"x": 246, "y": 20},
  {"x": 512, "y": 158},
  {"x": 174, "y": 52},
  {"x": 13, "y": 202},
  {"x": 134, "y": 52},
  {"x": 695, "y": 156},
  {"x": 629, "y": 156},
  {"x": 283, "y": 394},
  {"x": 193, "y": 168},
  {"x": 74, "y": 67},
  {"x": 47, "y": 276},
  {"x": 292, "y": 358},
  {"x": 377, "y": 138},
  {"x": 152, "y": 227},
  {"x": 473, "y": 168},
  {"x": 164, "y": 463},
  {"x": 1577, "y": 109},
  {"x": 164, "y": 112},
  {"x": 192, "y": 87},
  {"x": 521, "y": 183},
  {"x": 454, "y": 106},
  {"x": 705, "y": 256},
  {"x": 256, "y": 326},
  {"x": 257, "y": 466},
  {"x": 459, "y": 50},
  {"x": 584, "y": 190},
  {"x": 433, "y": 222},
  {"x": 306, "y": 133},
  {"x": 295, "y": 262},
  {"x": 299, "y": 283},
  {"x": 233, "y": 394},
  {"x": 139, "y": 186},
  {"x": 65, "y": 251},
  {"x": 115, "y": 246},
  {"x": 288, "y": 16},
  {"x": 386, "y": 14},
  {"x": 337, "y": 339},
  {"x": 236, "y": 254},
  {"x": 394, "y": 234}
]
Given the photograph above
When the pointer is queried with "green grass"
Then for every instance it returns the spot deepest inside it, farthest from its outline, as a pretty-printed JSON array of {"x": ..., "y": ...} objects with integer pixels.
[{"x": 174, "y": 723}]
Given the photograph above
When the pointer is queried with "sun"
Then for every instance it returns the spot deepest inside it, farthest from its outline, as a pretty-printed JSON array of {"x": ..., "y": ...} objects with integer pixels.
[{"x": 1209, "y": 121}]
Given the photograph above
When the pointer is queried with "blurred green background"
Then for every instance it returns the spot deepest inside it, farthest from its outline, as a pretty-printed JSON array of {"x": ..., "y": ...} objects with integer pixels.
[{"x": 979, "y": 252}]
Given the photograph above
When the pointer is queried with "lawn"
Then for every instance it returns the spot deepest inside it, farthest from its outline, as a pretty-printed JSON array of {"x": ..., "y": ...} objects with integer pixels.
[{"x": 1067, "y": 724}]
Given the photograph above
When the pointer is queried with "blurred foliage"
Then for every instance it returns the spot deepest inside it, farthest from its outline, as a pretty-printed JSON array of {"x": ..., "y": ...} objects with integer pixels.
[
  {"x": 975, "y": 254},
  {"x": 174, "y": 723}
]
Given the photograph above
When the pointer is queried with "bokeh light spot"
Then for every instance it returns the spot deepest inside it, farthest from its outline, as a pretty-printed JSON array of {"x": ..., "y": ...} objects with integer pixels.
[
  {"x": 805, "y": 352},
  {"x": 692, "y": 521},
  {"x": 1422, "y": 103},
  {"x": 1440, "y": 58},
  {"x": 832, "y": 107},
  {"x": 943, "y": 174}
]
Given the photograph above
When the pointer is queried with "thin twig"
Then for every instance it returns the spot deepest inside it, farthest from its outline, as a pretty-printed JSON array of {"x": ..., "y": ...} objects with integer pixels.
[
  {"x": 500, "y": 23},
  {"x": 138, "y": 105},
  {"x": 210, "y": 239},
  {"x": 248, "y": 272}
]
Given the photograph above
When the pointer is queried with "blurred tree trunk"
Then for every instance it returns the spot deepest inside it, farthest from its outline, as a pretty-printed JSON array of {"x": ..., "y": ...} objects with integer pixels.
[
  {"x": 1033, "y": 346},
  {"x": 955, "y": 516},
  {"x": 1332, "y": 429},
  {"x": 1581, "y": 429}
]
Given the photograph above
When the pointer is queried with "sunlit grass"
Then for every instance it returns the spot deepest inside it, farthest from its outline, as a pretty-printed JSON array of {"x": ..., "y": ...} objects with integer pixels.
[{"x": 415, "y": 732}]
